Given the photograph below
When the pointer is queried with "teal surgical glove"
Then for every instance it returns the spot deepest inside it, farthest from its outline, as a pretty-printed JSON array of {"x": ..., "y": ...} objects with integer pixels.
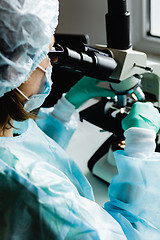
[
  {"x": 142, "y": 115},
  {"x": 85, "y": 89}
]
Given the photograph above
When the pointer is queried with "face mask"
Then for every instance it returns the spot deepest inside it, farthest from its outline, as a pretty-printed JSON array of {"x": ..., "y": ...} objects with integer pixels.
[{"x": 35, "y": 101}]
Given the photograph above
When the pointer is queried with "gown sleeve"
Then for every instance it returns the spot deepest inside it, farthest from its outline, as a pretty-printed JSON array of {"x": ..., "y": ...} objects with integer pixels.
[
  {"x": 134, "y": 207},
  {"x": 134, "y": 192},
  {"x": 132, "y": 213},
  {"x": 58, "y": 122}
]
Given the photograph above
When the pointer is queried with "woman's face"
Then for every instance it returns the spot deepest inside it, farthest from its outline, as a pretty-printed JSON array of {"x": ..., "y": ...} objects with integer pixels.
[{"x": 34, "y": 82}]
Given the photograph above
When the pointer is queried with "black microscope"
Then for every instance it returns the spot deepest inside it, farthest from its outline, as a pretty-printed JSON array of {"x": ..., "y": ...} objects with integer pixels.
[{"x": 127, "y": 73}]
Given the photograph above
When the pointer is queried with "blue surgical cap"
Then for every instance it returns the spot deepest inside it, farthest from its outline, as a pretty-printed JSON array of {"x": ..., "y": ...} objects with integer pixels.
[{"x": 26, "y": 29}]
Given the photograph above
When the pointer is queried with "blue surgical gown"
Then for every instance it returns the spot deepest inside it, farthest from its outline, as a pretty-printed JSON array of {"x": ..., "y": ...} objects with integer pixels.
[{"x": 51, "y": 189}]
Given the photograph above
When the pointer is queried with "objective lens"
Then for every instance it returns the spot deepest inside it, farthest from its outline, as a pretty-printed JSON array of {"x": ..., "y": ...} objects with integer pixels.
[
  {"x": 139, "y": 94},
  {"x": 122, "y": 101}
]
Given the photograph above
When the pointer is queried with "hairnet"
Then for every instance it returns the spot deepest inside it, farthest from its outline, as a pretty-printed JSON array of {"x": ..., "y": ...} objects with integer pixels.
[{"x": 26, "y": 28}]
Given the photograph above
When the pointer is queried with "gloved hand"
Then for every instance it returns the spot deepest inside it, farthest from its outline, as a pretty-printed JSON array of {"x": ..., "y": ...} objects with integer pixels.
[
  {"x": 142, "y": 115},
  {"x": 85, "y": 89}
]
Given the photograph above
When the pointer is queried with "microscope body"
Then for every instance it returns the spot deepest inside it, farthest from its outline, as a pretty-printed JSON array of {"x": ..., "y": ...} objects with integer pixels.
[
  {"x": 134, "y": 66},
  {"x": 125, "y": 61},
  {"x": 151, "y": 84},
  {"x": 139, "y": 81},
  {"x": 129, "y": 74},
  {"x": 134, "y": 70}
]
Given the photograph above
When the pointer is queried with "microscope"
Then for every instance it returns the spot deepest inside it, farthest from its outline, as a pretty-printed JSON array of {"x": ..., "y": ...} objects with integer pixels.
[{"x": 128, "y": 73}]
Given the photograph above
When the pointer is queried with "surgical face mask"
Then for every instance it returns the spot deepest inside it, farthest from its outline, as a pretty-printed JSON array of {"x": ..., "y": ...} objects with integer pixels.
[{"x": 35, "y": 101}]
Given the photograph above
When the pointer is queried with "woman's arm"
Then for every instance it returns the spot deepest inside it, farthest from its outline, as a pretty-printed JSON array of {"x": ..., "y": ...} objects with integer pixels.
[
  {"x": 134, "y": 191},
  {"x": 58, "y": 122}
]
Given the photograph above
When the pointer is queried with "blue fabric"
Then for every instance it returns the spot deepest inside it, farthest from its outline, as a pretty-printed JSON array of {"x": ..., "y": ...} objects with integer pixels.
[
  {"x": 20, "y": 208},
  {"x": 36, "y": 100},
  {"x": 134, "y": 195},
  {"x": 26, "y": 28},
  {"x": 65, "y": 199},
  {"x": 55, "y": 129}
]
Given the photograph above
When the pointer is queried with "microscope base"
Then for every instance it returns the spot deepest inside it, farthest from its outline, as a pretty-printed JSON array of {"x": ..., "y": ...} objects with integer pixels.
[
  {"x": 102, "y": 163},
  {"x": 104, "y": 170}
]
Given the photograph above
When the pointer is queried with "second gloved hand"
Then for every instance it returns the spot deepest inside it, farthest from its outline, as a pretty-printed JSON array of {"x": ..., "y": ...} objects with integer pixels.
[
  {"x": 142, "y": 115},
  {"x": 85, "y": 89}
]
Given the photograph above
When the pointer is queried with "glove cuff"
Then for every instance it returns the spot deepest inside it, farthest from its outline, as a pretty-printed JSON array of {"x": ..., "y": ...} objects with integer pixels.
[
  {"x": 63, "y": 109},
  {"x": 140, "y": 142}
]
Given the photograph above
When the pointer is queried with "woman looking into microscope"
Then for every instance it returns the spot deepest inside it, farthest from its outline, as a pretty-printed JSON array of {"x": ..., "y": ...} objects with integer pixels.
[{"x": 32, "y": 148}]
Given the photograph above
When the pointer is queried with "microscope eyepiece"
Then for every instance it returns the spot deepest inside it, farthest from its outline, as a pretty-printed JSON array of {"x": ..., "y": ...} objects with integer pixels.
[{"x": 90, "y": 62}]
